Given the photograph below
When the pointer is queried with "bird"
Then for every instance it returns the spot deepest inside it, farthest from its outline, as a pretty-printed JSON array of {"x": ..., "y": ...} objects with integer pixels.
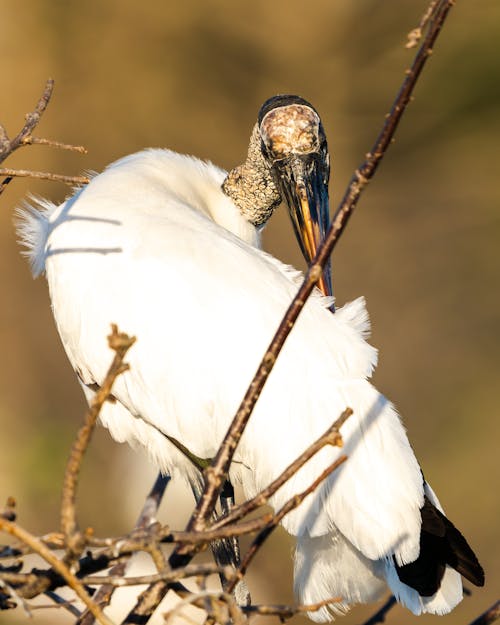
[{"x": 169, "y": 248}]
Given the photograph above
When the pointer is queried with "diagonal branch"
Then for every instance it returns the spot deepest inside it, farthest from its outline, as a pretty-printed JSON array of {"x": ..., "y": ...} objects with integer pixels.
[
  {"x": 276, "y": 519},
  {"x": 216, "y": 473},
  {"x": 330, "y": 437},
  {"x": 25, "y": 137},
  {"x": 491, "y": 615},
  {"x": 7, "y": 146}
]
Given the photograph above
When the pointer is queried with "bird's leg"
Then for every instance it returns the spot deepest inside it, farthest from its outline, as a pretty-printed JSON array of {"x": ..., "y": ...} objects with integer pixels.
[{"x": 226, "y": 551}]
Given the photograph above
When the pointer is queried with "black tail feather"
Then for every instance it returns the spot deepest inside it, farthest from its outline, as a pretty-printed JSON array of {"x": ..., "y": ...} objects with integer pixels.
[{"x": 441, "y": 544}]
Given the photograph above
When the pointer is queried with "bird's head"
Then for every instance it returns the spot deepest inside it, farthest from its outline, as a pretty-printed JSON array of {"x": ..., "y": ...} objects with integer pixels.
[{"x": 287, "y": 160}]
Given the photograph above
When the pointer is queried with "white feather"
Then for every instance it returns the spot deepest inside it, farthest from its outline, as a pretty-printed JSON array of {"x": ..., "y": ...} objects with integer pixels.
[{"x": 139, "y": 247}]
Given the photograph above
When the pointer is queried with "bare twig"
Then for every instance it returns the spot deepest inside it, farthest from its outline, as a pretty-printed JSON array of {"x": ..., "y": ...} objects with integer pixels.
[
  {"x": 287, "y": 611},
  {"x": 491, "y": 615},
  {"x": 192, "y": 570},
  {"x": 330, "y": 437},
  {"x": 59, "y": 567},
  {"x": 120, "y": 343},
  {"x": 54, "y": 144},
  {"x": 290, "y": 505},
  {"x": 415, "y": 35},
  {"x": 25, "y": 137},
  {"x": 61, "y": 603},
  {"x": 7, "y": 146},
  {"x": 147, "y": 516},
  {"x": 43, "y": 175}
]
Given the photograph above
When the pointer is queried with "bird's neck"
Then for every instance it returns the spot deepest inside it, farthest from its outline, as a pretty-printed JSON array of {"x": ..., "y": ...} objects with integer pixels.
[{"x": 251, "y": 186}]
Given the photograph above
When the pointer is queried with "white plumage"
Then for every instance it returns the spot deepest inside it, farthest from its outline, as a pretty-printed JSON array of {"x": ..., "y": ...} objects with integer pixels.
[{"x": 154, "y": 245}]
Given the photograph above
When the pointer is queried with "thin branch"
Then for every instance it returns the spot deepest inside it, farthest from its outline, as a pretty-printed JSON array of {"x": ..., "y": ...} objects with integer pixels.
[
  {"x": 61, "y": 603},
  {"x": 287, "y": 611},
  {"x": 120, "y": 343},
  {"x": 54, "y": 144},
  {"x": 7, "y": 146},
  {"x": 59, "y": 567},
  {"x": 192, "y": 570},
  {"x": 43, "y": 175},
  {"x": 146, "y": 517},
  {"x": 150, "y": 598},
  {"x": 25, "y": 137},
  {"x": 290, "y": 505},
  {"x": 491, "y": 615},
  {"x": 211, "y": 601},
  {"x": 332, "y": 436}
]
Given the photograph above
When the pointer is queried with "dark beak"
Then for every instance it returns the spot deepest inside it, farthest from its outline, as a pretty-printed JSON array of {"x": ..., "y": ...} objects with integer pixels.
[{"x": 303, "y": 180}]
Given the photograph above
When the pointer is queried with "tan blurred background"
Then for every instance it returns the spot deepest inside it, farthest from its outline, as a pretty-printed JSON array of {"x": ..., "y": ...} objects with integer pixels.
[{"x": 424, "y": 246}]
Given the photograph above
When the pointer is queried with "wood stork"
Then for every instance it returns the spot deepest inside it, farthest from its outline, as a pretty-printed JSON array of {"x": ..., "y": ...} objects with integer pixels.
[{"x": 167, "y": 246}]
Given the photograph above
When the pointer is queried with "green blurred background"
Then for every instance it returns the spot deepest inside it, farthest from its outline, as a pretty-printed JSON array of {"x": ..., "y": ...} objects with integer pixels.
[{"x": 423, "y": 247}]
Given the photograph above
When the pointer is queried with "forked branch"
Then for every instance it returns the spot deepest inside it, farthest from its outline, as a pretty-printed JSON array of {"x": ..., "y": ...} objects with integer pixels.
[{"x": 25, "y": 137}]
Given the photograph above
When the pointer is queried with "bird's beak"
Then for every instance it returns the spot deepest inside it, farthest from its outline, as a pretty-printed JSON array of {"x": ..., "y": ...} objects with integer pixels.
[{"x": 304, "y": 184}]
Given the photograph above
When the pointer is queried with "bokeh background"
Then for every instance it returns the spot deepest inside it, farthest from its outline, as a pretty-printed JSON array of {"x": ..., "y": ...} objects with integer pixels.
[{"x": 423, "y": 246}]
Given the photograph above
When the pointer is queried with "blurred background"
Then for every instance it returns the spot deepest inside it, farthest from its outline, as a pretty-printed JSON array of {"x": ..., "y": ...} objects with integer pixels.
[{"x": 423, "y": 246}]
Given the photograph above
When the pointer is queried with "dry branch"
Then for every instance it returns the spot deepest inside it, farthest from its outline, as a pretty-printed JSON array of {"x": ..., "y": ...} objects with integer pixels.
[
  {"x": 43, "y": 175},
  {"x": 192, "y": 570},
  {"x": 25, "y": 137},
  {"x": 278, "y": 517},
  {"x": 7, "y": 146},
  {"x": 287, "y": 611},
  {"x": 57, "y": 565},
  {"x": 491, "y": 615},
  {"x": 330, "y": 437},
  {"x": 146, "y": 517},
  {"x": 148, "y": 535}
]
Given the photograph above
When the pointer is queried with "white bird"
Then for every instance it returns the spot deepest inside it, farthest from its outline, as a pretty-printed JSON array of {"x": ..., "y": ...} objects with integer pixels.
[{"x": 166, "y": 246}]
